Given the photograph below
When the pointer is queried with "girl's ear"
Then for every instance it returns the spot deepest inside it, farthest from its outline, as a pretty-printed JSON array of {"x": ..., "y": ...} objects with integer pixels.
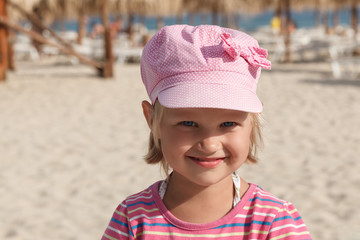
[{"x": 148, "y": 112}]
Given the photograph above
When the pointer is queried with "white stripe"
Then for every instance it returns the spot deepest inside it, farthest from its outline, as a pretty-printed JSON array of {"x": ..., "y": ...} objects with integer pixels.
[
  {"x": 147, "y": 191},
  {"x": 140, "y": 197},
  {"x": 286, "y": 226},
  {"x": 256, "y": 213},
  {"x": 118, "y": 231},
  {"x": 261, "y": 193},
  {"x": 272, "y": 197},
  {"x": 264, "y": 194},
  {"x": 145, "y": 216}
]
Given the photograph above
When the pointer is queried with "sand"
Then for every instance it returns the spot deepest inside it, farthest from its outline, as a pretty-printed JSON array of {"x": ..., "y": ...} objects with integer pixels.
[{"x": 71, "y": 148}]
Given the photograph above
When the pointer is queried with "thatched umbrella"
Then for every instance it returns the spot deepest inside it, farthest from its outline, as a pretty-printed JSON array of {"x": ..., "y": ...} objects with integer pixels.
[
  {"x": 336, "y": 5},
  {"x": 215, "y": 7},
  {"x": 166, "y": 8},
  {"x": 354, "y": 15},
  {"x": 284, "y": 7},
  {"x": 228, "y": 9},
  {"x": 153, "y": 8},
  {"x": 27, "y": 5},
  {"x": 145, "y": 8},
  {"x": 6, "y": 36},
  {"x": 202, "y": 6},
  {"x": 324, "y": 6},
  {"x": 65, "y": 9}
]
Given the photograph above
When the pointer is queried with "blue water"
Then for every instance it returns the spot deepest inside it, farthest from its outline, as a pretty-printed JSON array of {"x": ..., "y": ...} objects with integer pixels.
[{"x": 305, "y": 19}]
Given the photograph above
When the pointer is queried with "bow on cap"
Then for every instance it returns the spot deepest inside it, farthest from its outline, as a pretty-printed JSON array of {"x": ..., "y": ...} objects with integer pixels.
[{"x": 253, "y": 55}]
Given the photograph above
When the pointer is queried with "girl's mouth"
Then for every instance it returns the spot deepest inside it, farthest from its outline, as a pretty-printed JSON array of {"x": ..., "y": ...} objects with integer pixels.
[{"x": 207, "y": 162}]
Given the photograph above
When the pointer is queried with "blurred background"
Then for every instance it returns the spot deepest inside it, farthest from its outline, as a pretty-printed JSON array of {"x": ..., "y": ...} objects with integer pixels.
[{"x": 72, "y": 134}]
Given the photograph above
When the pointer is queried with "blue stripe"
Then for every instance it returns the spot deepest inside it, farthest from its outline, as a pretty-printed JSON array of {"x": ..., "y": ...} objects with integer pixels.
[
  {"x": 262, "y": 223},
  {"x": 145, "y": 203},
  {"x": 122, "y": 224},
  {"x": 265, "y": 200},
  {"x": 243, "y": 224},
  {"x": 119, "y": 222},
  {"x": 282, "y": 218},
  {"x": 287, "y": 217},
  {"x": 152, "y": 225},
  {"x": 131, "y": 233}
]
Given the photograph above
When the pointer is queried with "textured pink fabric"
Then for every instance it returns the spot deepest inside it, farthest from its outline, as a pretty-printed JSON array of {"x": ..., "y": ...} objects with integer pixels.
[
  {"x": 259, "y": 215},
  {"x": 203, "y": 67}
]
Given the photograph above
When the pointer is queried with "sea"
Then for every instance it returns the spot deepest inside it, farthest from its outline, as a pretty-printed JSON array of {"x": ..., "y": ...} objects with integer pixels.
[{"x": 249, "y": 23}]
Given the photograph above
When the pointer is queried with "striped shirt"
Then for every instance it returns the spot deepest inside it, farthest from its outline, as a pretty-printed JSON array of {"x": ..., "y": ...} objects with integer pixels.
[{"x": 259, "y": 215}]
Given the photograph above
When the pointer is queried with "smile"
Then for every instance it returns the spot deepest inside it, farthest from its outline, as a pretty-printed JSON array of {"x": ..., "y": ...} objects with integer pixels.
[{"x": 207, "y": 162}]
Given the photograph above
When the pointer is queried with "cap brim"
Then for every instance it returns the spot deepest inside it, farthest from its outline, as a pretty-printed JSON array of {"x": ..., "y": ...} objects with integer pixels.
[{"x": 210, "y": 95}]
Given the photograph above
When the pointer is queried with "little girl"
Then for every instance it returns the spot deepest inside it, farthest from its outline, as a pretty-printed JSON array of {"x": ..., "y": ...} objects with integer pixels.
[{"x": 204, "y": 121}]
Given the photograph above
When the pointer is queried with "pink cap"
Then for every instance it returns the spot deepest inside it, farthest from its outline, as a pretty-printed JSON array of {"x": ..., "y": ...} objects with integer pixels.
[{"x": 203, "y": 67}]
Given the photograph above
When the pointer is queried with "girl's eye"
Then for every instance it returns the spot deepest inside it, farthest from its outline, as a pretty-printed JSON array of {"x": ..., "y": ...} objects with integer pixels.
[
  {"x": 228, "y": 124},
  {"x": 188, "y": 123}
]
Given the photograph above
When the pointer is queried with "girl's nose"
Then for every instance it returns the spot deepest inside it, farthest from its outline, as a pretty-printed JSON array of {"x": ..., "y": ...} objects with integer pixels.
[{"x": 209, "y": 144}]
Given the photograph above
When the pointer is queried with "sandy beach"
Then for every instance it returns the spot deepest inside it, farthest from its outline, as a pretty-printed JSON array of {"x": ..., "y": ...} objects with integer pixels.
[{"x": 71, "y": 148}]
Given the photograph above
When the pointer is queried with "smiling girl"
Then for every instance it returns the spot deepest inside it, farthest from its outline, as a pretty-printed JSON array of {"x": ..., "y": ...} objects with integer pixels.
[{"x": 204, "y": 122}]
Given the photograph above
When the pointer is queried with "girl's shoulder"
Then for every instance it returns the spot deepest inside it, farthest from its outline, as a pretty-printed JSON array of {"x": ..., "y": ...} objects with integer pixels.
[
  {"x": 143, "y": 195},
  {"x": 280, "y": 215},
  {"x": 142, "y": 200},
  {"x": 260, "y": 194},
  {"x": 264, "y": 200}
]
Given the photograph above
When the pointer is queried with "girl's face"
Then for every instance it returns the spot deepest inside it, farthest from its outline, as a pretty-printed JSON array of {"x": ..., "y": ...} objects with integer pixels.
[{"x": 204, "y": 145}]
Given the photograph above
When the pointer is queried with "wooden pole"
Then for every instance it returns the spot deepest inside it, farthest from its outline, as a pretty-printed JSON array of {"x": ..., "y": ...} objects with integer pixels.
[
  {"x": 179, "y": 18},
  {"x": 3, "y": 43},
  {"x": 354, "y": 17},
  {"x": 107, "y": 71},
  {"x": 287, "y": 36},
  {"x": 36, "y": 21},
  {"x": 215, "y": 15},
  {"x": 336, "y": 20},
  {"x": 278, "y": 15},
  {"x": 81, "y": 25},
  {"x": 38, "y": 37},
  {"x": 191, "y": 18},
  {"x": 159, "y": 22},
  {"x": 130, "y": 29},
  {"x": 237, "y": 21},
  {"x": 11, "y": 60},
  {"x": 326, "y": 21}
]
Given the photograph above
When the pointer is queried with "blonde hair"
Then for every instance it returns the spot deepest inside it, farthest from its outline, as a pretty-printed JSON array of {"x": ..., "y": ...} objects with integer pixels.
[{"x": 155, "y": 155}]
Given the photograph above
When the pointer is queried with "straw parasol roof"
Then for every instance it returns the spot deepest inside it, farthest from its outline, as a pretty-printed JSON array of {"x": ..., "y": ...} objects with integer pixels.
[
  {"x": 71, "y": 8},
  {"x": 52, "y": 9},
  {"x": 158, "y": 8},
  {"x": 321, "y": 5},
  {"x": 255, "y": 6},
  {"x": 27, "y": 5},
  {"x": 60, "y": 9},
  {"x": 168, "y": 8},
  {"x": 68, "y": 8},
  {"x": 210, "y": 6}
]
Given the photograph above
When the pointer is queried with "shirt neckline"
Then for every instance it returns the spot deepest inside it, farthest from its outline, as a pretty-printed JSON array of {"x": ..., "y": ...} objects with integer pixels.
[
  {"x": 238, "y": 209},
  {"x": 235, "y": 177}
]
